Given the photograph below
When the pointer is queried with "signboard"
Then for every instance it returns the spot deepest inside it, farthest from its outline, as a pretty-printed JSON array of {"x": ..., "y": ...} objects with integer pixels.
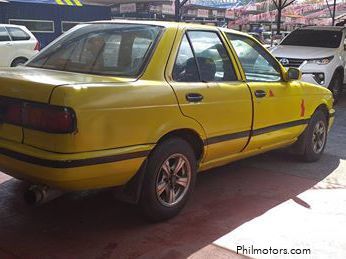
[
  {"x": 128, "y": 8},
  {"x": 192, "y": 12},
  {"x": 115, "y": 10},
  {"x": 221, "y": 13},
  {"x": 155, "y": 8},
  {"x": 168, "y": 9},
  {"x": 251, "y": 8},
  {"x": 203, "y": 13},
  {"x": 230, "y": 14}
]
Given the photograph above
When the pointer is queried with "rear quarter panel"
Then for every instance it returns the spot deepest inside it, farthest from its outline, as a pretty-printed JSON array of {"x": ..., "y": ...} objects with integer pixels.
[{"x": 23, "y": 49}]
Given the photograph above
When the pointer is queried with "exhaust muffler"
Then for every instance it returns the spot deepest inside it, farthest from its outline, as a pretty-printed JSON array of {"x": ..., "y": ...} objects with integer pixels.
[{"x": 40, "y": 194}]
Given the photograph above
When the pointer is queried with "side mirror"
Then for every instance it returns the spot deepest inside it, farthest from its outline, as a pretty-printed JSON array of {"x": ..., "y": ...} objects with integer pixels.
[{"x": 293, "y": 74}]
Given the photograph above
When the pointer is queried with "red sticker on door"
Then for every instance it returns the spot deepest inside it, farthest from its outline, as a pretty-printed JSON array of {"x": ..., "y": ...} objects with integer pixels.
[{"x": 302, "y": 109}]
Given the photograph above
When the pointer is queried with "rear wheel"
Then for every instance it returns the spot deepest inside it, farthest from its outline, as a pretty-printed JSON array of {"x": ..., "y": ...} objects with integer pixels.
[
  {"x": 335, "y": 86},
  {"x": 316, "y": 137},
  {"x": 18, "y": 61},
  {"x": 169, "y": 179}
]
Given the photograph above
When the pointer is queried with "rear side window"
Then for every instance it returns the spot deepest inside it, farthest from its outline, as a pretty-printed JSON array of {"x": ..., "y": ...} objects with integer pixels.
[
  {"x": 185, "y": 68},
  {"x": 107, "y": 49},
  {"x": 202, "y": 57},
  {"x": 4, "y": 35},
  {"x": 18, "y": 34}
]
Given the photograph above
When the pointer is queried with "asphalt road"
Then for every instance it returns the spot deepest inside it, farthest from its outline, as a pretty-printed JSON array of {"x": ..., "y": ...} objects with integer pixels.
[{"x": 271, "y": 200}]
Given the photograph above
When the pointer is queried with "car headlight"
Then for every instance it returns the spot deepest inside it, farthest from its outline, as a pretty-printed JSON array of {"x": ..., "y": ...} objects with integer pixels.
[{"x": 321, "y": 61}]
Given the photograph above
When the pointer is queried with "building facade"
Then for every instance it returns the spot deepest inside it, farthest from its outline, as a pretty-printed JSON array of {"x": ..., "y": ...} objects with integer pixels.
[{"x": 48, "y": 19}]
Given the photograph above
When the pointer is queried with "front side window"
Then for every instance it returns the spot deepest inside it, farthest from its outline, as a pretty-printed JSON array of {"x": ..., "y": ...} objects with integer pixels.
[
  {"x": 257, "y": 64},
  {"x": 4, "y": 34},
  {"x": 18, "y": 34},
  {"x": 202, "y": 57},
  {"x": 107, "y": 49}
]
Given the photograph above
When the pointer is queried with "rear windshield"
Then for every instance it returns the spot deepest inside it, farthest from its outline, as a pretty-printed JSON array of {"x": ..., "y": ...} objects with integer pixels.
[
  {"x": 105, "y": 49},
  {"x": 313, "y": 38}
]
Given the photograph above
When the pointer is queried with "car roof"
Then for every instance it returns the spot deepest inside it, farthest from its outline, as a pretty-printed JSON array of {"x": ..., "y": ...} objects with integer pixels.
[
  {"x": 166, "y": 24},
  {"x": 323, "y": 28}
]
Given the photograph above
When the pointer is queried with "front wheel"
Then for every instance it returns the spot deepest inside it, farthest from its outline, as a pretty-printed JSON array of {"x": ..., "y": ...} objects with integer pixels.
[
  {"x": 335, "y": 86},
  {"x": 316, "y": 137},
  {"x": 169, "y": 179}
]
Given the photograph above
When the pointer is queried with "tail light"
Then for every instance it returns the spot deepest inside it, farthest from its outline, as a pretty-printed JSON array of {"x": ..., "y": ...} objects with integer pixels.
[
  {"x": 42, "y": 117},
  {"x": 37, "y": 46}
]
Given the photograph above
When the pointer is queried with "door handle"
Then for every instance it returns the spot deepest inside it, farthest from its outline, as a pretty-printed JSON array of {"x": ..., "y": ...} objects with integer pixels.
[
  {"x": 8, "y": 44},
  {"x": 260, "y": 93},
  {"x": 194, "y": 97}
]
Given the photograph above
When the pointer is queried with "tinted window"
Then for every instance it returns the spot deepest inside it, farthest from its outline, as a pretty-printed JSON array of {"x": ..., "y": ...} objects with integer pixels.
[
  {"x": 4, "y": 35},
  {"x": 35, "y": 26},
  {"x": 257, "y": 64},
  {"x": 185, "y": 68},
  {"x": 65, "y": 26},
  {"x": 213, "y": 61},
  {"x": 314, "y": 38},
  {"x": 18, "y": 34},
  {"x": 109, "y": 49}
]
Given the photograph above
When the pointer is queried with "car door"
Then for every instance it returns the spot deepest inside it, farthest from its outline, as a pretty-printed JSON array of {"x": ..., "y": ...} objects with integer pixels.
[
  {"x": 279, "y": 106},
  {"x": 5, "y": 47},
  {"x": 209, "y": 90}
]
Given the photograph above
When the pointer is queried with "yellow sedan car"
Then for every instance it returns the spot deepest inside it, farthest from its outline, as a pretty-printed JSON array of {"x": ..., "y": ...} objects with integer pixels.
[{"x": 147, "y": 105}]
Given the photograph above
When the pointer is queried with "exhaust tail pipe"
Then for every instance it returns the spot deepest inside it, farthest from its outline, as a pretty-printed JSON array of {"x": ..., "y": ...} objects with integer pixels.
[{"x": 39, "y": 194}]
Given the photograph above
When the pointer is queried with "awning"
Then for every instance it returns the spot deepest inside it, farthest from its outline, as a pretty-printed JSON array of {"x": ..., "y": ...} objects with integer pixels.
[{"x": 59, "y": 2}]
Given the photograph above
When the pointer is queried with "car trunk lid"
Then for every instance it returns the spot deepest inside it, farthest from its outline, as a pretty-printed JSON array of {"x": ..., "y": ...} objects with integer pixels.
[{"x": 36, "y": 85}]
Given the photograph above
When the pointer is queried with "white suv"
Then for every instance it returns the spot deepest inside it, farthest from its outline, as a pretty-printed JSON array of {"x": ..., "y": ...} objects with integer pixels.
[
  {"x": 17, "y": 45},
  {"x": 319, "y": 52}
]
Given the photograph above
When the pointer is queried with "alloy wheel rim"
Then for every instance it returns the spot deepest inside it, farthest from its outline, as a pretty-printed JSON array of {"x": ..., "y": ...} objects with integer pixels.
[
  {"x": 319, "y": 137},
  {"x": 173, "y": 180}
]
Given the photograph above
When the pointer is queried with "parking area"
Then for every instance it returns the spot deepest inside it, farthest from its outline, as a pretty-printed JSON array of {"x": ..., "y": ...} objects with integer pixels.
[{"x": 266, "y": 201}]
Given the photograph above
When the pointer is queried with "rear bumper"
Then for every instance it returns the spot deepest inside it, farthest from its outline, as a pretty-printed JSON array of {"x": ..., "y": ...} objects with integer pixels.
[{"x": 81, "y": 171}]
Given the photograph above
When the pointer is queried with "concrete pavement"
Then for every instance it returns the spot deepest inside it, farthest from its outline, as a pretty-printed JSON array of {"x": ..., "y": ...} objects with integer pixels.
[{"x": 269, "y": 200}]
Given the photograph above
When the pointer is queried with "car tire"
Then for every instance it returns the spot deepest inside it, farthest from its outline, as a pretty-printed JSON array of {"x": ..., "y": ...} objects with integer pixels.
[
  {"x": 315, "y": 137},
  {"x": 169, "y": 179},
  {"x": 18, "y": 61},
  {"x": 336, "y": 86}
]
